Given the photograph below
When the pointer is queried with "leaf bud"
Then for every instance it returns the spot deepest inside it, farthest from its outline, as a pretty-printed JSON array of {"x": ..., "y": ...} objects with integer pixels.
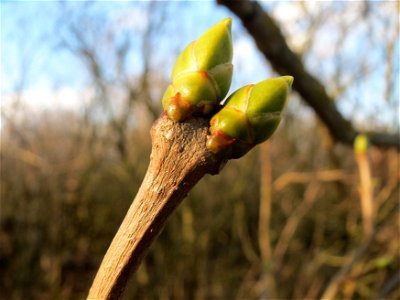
[
  {"x": 361, "y": 144},
  {"x": 249, "y": 117},
  {"x": 202, "y": 74}
]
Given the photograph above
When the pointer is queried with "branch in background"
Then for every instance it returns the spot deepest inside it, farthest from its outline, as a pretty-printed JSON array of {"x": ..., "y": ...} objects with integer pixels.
[
  {"x": 337, "y": 280},
  {"x": 267, "y": 280},
  {"x": 366, "y": 189},
  {"x": 272, "y": 44},
  {"x": 368, "y": 216},
  {"x": 305, "y": 177},
  {"x": 293, "y": 221}
]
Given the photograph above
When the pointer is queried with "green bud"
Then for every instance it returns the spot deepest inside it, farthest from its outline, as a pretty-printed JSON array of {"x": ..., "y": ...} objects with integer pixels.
[
  {"x": 249, "y": 117},
  {"x": 361, "y": 144},
  {"x": 202, "y": 74}
]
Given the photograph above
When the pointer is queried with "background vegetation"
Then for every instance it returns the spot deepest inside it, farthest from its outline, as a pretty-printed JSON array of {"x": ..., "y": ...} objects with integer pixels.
[{"x": 286, "y": 221}]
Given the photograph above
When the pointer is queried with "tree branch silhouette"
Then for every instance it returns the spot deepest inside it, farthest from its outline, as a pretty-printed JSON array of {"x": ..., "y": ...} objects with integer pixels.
[{"x": 271, "y": 42}]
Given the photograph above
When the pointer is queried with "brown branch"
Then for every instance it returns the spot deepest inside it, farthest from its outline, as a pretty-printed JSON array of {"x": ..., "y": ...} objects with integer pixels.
[
  {"x": 338, "y": 279},
  {"x": 271, "y": 42},
  {"x": 179, "y": 159},
  {"x": 267, "y": 281},
  {"x": 305, "y": 177},
  {"x": 366, "y": 190}
]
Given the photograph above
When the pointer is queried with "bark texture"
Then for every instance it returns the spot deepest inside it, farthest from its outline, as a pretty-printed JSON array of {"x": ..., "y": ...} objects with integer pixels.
[
  {"x": 271, "y": 42},
  {"x": 179, "y": 159}
]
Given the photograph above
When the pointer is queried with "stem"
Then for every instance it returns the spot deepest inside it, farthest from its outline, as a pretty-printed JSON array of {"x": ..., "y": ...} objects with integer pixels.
[
  {"x": 179, "y": 159},
  {"x": 366, "y": 194},
  {"x": 267, "y": 280}
]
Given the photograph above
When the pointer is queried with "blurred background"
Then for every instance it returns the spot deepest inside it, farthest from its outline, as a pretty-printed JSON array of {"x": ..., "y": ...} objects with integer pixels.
[{"x": 301, "y": 217}]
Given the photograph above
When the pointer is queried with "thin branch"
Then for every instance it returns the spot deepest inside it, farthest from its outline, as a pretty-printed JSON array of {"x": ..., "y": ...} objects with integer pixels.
[
  {"x": 179, "y": 159},
  {"x": 267, "y": 280},
  {"x": 310, "y": 196},
  {"x": 389, "y": 286},
  {"x": 272, "y": 44},
  {"x": 338, "y": 279},
  {"x": 264, "y": 217},
  {"x": 305, "y": 177},
  {"x": 366, "y": 191}
]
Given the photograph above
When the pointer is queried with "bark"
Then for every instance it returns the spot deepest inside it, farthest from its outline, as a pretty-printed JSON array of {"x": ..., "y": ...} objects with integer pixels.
[
  {"x": 179, "y": 159},
  {"x": 271, "y": 42}
]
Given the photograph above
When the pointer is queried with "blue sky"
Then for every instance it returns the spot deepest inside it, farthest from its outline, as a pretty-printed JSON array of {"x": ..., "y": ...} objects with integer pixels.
[
  {"x": 31, "y": 30},
  {"x": 28, "y": 29}
]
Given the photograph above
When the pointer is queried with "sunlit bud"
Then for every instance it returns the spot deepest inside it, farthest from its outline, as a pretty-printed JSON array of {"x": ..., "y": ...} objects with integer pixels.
[
  {"x": 361, "y": 144},
  {"x": 249, "y": 117},
  {"x": 202, "y": 74}
]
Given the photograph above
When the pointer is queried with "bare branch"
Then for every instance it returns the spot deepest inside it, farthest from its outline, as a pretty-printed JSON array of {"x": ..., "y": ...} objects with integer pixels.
[{"x": 179, "y": 159}]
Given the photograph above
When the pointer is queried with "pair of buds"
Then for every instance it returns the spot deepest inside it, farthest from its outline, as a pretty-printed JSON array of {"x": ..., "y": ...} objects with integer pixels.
[{"x": 201, "y": 79}]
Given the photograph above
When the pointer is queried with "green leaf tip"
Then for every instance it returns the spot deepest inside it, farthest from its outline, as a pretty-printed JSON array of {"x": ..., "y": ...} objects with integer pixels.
[
  {"x": 249, "y": 117},
  {"x": 289, "y": 80},
  {"x": 202, "y": 74}
]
